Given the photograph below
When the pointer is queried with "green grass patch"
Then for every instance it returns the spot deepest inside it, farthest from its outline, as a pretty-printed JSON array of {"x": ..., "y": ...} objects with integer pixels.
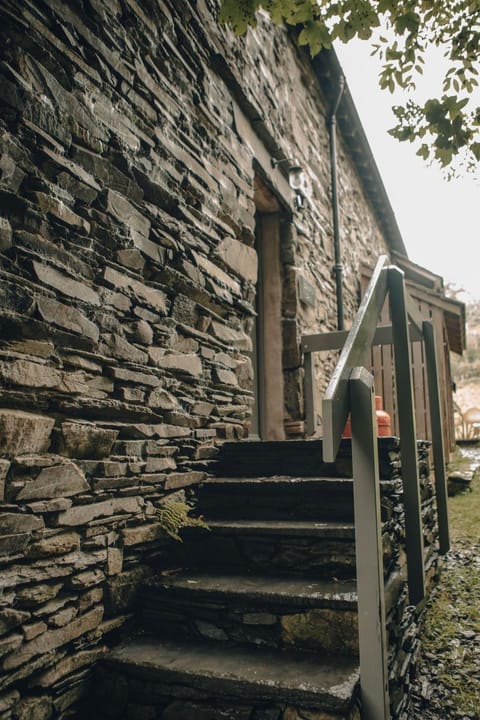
[
  {"x": 451, "y": 626},
  {"x": 464, "y": 515}
]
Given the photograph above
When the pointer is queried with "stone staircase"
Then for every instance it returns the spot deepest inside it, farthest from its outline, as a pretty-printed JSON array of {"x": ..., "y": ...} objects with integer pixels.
[{"x": 258, "y": 619}]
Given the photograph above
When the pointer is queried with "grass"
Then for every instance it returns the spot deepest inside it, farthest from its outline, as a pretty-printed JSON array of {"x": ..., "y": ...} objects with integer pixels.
[{"x": 451, "y": 628}]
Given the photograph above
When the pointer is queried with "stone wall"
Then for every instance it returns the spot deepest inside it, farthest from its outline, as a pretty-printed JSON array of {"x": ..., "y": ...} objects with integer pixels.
[{"x": 128, "y": 268}]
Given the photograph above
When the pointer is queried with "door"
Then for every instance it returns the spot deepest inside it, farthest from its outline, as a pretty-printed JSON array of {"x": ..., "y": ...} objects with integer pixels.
[{"x": 268, "y": 410}]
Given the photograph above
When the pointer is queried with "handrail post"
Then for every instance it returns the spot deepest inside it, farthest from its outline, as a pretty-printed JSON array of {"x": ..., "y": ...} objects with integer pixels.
[
  {"x": 368, "y": 549},
  {"x": 437, "y": 436},
  {"x": 309, "y": 399},
  {"x": 408, "y": 437}
]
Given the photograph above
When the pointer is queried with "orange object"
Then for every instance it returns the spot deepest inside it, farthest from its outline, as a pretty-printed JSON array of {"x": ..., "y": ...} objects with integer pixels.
[{"x": 384, "y": 423}]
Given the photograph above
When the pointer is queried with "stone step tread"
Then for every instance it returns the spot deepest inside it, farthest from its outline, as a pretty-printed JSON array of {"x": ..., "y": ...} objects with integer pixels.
[
  {"x": 266, "y": 590},
  {"x": 277, "y": 480},
  {"x": 327, "y": 683},
  {"x": 325, "y": 529}
]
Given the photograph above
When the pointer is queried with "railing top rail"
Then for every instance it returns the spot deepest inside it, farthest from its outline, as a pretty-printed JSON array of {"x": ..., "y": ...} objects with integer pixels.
[
  {"x": 335, "y": 340},
  {"x": 357, "y": 345}
]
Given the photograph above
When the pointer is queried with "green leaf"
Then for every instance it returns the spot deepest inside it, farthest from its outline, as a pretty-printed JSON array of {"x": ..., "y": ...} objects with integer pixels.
[
  {"x": 239, "y": 14},
  {"x": 475, "y": 148},
  {"x": 423, "y": 151},
  {"x": 316, "y": 35}
]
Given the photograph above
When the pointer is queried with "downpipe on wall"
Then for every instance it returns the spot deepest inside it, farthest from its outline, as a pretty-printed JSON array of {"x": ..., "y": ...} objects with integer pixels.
[{"x": 338, "y": 267}]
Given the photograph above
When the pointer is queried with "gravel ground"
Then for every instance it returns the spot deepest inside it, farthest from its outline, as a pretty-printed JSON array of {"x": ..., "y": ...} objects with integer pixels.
[{"x": 447, "y": 682}]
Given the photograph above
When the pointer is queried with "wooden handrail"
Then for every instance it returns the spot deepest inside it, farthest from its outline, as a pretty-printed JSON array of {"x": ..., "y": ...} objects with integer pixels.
[
  {"x": 354, "y": 353},
  {"x": 351, "y": 391}
]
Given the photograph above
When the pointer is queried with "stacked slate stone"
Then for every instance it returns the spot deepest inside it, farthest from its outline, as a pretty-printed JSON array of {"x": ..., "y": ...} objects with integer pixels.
[
  {"x": 403, "y": 619},
  {"x": 126, "y": 293},
  {"x": 127, "y": 269}
]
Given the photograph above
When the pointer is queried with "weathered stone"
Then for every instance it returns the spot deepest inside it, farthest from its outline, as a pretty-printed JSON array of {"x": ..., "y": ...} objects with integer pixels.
[
  {"x": 323, "y": 629},
  {"x": 56, "y": 207},
  {"x": 54, "y": 639},
  {"x": 159, "y": 447},
  {"x": 122, "y": 209},
  {"x": 67, "y": 317},
  {"x": 101, "y": 168},
  {"x": 35, "y": 708},
  {"x": 30, "y": 374},
  {"x": 5, "y": 234},
  {"x": 11, "y": 545},
  {"x": 131, "y": 448},
  {"x": 215, "y": 272},
  {"x": 90, "y": 598},
  {"x": 114, "y": 560},
  {"x": 33, "y": 630},
  {"x": 65, "y": 480},
  {"x": 159, "y": 464},
  {"x": 162, "y": 399},
  {"x": 142, "y": 534},
  {"x": 60, "y": 544},
  {"x": 135, "y": 395},
  {"x": 84, "y": 440},
  {"x": 74, "y": 169},
  {"x": 259, "y": 618},
  {"x": 111, "y": 468},
  {"x": 10, "y": 643},
  {"x": 83, "y": 514},
  {"x": 87, "y": 579},
  {"x": 67, "y": 666},
  {"x": 65, "y": 284},
  {"x": 122, "y": 589},
  {"x": 144, "y": 430},
  {"x": 10, "y": 619},
  {"x": 131, "y": 259},
  {"x": 228, "y": 335},
  {"x": 210, "y": 631},
  {"x": 187, "y": 345},
  {"x": 63, "y": 617},
  {"x": 49, "y": 506},
  {"x": 225, "y": 377},
  {"x": 188, "y": 364},
  {"x": 151, "y": 295},
  {"x": 179, "y": 480},
  {"x": 37, "y": 348},
  {"x": 143, "y": 332},
  {"x": 133, "y": 376},
  {"x": 123, "y": 350},
  {"x": 19, "y": 522},
  {"x": 239, "y": 258},
  {"x": 9, "y": 700},
  {"x": 203, "y": 408},
  {"x": 30, "y": 597}
]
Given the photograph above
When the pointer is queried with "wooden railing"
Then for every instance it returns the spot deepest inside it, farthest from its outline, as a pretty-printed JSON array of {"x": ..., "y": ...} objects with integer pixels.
[{"x": 351, "y": 391}]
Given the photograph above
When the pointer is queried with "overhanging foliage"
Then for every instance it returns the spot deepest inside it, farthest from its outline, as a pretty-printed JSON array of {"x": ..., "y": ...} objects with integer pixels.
[{"x": 446, "y": 128}]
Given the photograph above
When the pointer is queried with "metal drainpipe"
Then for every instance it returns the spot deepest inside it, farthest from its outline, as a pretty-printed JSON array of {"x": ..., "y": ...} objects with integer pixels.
[{"x": 338, "y": 267}]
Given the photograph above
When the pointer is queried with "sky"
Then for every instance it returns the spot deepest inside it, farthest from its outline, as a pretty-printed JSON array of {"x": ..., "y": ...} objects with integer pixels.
[{"x": 439, "y": 220}]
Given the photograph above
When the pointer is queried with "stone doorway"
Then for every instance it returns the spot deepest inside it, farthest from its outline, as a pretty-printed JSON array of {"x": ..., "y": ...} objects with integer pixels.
[{"x": 268, "y": 409}]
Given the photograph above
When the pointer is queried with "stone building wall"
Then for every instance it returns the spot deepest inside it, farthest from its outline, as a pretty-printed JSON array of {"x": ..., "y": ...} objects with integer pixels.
[{"x": 127, "y": 222}]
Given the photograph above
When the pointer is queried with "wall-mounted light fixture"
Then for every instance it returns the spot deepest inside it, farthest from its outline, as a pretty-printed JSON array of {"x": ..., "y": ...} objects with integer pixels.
[{"x": 295, "y": 178}]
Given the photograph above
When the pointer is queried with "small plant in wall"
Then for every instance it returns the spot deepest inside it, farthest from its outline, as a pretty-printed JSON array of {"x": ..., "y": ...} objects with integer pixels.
[{"x": 174, "y": 515}]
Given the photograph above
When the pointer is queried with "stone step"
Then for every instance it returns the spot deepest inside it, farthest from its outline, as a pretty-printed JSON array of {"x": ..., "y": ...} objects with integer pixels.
[
  {"x": 299, "y": 457},
  {"x": 279, "y": 612},
  {"x": 176, "y": 680},
  {"x": 277, "y": 497},
  {"x": 318, "y": 549}
]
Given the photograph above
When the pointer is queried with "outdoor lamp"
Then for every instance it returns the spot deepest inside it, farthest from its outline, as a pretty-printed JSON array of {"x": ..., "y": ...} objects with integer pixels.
[{"x": 295, "y": 178}]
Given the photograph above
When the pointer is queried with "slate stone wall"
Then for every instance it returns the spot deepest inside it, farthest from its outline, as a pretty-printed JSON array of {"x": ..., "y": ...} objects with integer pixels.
[{"x": 127, "y": 292}]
